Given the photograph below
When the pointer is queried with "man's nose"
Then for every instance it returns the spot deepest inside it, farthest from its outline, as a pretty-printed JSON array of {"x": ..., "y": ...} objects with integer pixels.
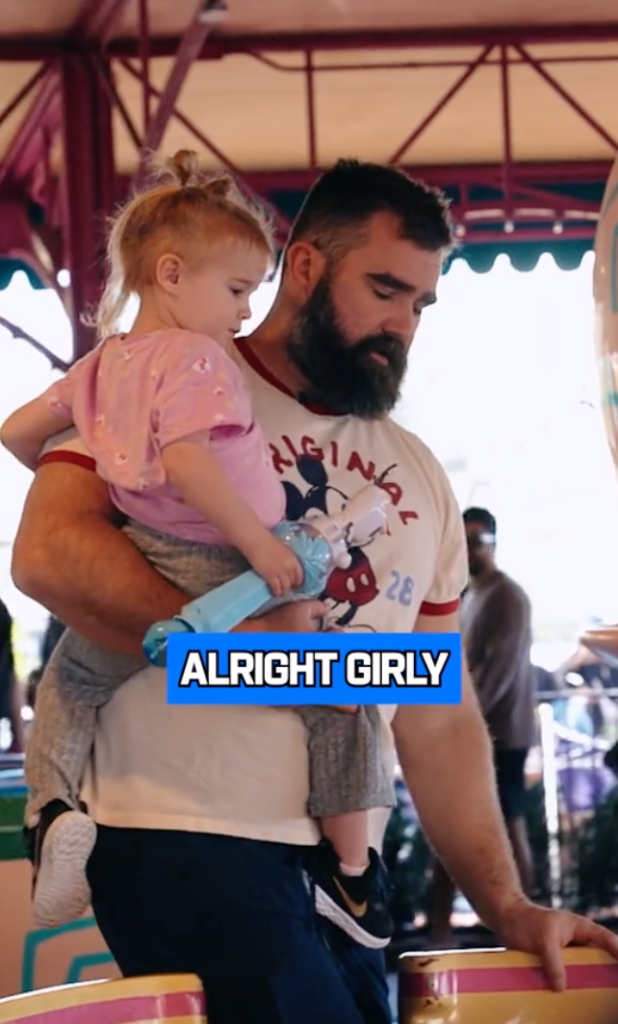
[{"x": 402, "y": 324}]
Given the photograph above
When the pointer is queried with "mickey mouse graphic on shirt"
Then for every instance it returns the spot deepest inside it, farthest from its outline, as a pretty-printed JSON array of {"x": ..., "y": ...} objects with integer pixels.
[{"x": 349, "y": 589}]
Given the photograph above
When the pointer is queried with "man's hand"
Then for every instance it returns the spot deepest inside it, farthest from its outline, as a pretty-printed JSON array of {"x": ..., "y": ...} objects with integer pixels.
[
  {"x": 545, "y": 933},
  {"x": 295, "y": 617},
  {"x": 446, "y": 760}
]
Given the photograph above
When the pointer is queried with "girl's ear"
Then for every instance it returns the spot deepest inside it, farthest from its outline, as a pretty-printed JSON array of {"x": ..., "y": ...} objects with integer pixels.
[{"x": 167, "y": 271}]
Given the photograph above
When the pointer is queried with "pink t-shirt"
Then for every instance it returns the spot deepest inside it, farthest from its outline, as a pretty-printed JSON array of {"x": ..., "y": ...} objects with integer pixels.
[{"x": 129, "y": 399}]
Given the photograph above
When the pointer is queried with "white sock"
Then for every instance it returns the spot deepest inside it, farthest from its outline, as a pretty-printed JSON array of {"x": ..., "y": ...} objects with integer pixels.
[{"x": 352, "y": 872}]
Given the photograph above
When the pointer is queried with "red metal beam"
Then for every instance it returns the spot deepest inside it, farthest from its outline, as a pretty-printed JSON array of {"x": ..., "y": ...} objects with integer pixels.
[
  {"x": 310, "y": 93},
  {"x": 506, "y": 127},
  {"x": 569, "y": 172},
  {"x": 88, "y": 187},
  {"x": 190, "y": 47},
  {"x": 27, "y": 147},
  {"x": 23, "y": 93},
  {"x": 489, "y": 211},
  {"x": 30, "y": 49},
  {"x": 545, "y": 196},
  {"x": 433, "y": 113},
  {"x": 566, "y": 96},
  {"x": 424, "y": 65},
  {"x": 25, "y": 159},
  {"x": 144, "y": 50},
  {"x": 97, "y": 18},
  {"x": 37, "y": 48},
  {"x": 486, "y": 236},
  {"x": 282, "y": 225},
  {"x": 483, "y": 222},
  {"x": 105, "y": 75},
  {"x": 396, "y": 39},
  {"x": 515, "y": 217}
]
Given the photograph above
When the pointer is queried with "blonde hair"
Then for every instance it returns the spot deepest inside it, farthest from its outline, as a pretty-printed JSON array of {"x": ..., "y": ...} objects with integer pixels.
[{"x": 188, "y": 211}]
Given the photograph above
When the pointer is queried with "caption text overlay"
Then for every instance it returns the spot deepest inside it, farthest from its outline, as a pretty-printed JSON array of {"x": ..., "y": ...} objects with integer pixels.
[{"x": 314, "y": 668}]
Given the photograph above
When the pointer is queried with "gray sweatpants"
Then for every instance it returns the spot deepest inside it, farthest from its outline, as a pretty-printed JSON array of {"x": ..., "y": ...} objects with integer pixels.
[{"x": 347, "y": 769}]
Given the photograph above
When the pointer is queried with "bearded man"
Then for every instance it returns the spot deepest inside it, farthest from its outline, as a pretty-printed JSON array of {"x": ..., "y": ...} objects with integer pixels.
[{"x": 204, "y": 846}]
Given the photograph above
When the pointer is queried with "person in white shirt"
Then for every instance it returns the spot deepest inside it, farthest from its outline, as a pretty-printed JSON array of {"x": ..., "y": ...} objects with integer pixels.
[{"x": 204, "y": 845}]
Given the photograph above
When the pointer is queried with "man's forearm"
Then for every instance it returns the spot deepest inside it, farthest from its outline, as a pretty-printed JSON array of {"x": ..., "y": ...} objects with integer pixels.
[
  {"x": 92, "y": 600},
  {"x": 70, "y": 556},
  {"x": 82, "y": 567},
  {"x": 446, "y": 759}
]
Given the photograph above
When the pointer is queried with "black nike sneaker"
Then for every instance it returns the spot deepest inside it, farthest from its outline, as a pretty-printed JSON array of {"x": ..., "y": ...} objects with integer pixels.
[
  {"x": 357, "y": 905},
  {"x": 59, "y": 848}
]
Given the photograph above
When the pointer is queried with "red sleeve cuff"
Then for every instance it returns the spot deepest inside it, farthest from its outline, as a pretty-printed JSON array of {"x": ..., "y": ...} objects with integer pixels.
[
  {"x": 429, "y": 608},
  {"x": 72, "y": 458}
]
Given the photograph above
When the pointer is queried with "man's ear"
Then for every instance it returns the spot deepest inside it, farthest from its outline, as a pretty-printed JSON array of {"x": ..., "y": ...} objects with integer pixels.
[
  {"x": 167, "y": 271},
  {"x": 304, "y": 267}
]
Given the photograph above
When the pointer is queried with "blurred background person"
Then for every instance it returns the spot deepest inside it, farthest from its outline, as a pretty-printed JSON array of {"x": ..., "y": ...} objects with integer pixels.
[
  {"x": 10, "y": 696},
  {"x": 497, "y": 638}
]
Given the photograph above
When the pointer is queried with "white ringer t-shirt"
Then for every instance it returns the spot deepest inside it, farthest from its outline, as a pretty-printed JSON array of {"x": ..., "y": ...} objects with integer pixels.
[{"x": 243, "y": 771}]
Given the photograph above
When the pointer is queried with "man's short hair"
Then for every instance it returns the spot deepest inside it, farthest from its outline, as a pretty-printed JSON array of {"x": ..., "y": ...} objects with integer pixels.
[
  {"x": 481, "y": 516},
  {"x": 340, "y": 204}
]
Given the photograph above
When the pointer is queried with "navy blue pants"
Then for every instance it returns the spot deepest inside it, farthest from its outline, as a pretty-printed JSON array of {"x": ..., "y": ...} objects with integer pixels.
[{"x": 239, "y": 914}]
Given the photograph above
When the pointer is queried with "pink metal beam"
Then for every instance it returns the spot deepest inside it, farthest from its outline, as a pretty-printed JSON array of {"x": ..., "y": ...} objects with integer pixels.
[
  {"x": 506, "y": 125},
  {"x": 26, "y": 147},
  {"x": 566, "y": 96},
  {"x": 189, "y": 49},
  {"x": 281, "y": 222},
  {"x": 547, "y": 197},
  {"x": 569, "y": 172},
  {"x": 144, "y": 50},
  {"x": 485, "y": 236},
  {"x": 542, "y": 208},
  {"x": 180, "y": 117},
  {"x": 42, "y": 122},
  {"x": 15, "y": 50},
  {"x": 424, "y": 65},
  {"x": 88, "y": 187},
  {"x": 23, "y": 93},
  {"x": 396, "y": 39},
  {"x": 105, "y": 75},
  {"x": 97, "y": 19},
  {"x": 36, "y": 48},
  {"x": 446, "y": 99},
  {"x": 523, "y": 209},
  {"x": 310, "y": 92}
]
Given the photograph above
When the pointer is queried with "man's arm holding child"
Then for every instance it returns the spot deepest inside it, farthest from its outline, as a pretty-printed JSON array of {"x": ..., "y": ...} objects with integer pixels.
[
  {"x": 25, "y": 431},
  {"x": 70, "y": 556}
]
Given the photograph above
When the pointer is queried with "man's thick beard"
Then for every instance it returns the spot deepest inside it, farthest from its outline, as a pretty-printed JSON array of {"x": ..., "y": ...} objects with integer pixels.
[{"x": 341, "y": 375}]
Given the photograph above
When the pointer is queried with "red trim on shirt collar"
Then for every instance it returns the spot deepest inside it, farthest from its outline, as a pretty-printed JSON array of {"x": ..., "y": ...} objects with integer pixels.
[
  {"x": 250, "y": 357},
  {"x": 73, "y": 458},
  {"x": 86, "y": 462}
]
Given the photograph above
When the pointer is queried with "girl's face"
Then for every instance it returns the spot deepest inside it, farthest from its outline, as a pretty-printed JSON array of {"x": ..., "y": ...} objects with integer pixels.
[{"x": 212, "y": 296}]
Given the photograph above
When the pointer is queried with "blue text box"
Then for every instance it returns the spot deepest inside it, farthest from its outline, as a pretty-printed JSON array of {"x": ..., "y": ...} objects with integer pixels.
[{"x": 314, "y": 668}]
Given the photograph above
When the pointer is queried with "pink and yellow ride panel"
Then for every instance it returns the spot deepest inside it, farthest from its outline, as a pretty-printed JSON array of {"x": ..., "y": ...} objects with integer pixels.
[
  {"x": 504, "y": 987},
  {"x": 173, "y": 999}
]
